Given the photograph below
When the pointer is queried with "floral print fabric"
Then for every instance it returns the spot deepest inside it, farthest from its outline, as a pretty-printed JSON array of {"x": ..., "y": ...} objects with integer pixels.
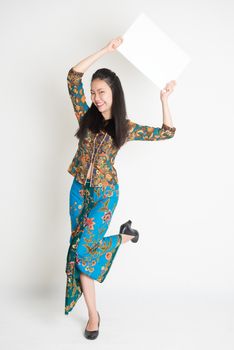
[
  {"x": 104, "y": 172},
  {"x": 91, "y": 210}
]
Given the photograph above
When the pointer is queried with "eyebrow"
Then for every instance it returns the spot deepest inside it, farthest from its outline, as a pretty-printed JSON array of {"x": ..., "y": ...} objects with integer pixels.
[{"x": 97, "y": 89}]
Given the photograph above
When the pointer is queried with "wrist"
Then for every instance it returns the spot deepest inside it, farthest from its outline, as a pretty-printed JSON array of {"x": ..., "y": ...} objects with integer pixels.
[{"x": 164, "y": 101}]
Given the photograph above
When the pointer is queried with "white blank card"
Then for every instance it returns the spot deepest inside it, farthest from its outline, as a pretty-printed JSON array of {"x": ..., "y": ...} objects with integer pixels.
[{"x": 148, "y": 48}]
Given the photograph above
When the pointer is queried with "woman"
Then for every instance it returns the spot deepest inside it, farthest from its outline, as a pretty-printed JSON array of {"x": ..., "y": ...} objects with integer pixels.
[{"x": 103, "y": 130}]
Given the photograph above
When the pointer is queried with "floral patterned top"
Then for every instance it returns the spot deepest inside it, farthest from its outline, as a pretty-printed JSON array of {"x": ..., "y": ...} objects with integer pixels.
[{"x": 99, "y": 147}]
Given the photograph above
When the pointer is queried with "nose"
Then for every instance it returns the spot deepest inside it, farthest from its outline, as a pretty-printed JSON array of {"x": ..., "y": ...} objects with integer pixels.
[{"x": 99, "y": 102}]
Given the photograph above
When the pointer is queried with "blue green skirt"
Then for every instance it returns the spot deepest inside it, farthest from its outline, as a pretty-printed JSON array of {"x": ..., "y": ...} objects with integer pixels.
[{"x": 91, "y": 210}]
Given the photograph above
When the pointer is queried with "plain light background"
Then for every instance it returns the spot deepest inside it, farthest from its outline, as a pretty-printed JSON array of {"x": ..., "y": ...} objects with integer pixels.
[{"x": 174, "y": 288}]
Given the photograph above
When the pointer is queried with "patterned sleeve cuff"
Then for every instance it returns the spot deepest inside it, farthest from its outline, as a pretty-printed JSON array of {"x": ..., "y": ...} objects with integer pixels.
[
  {"x": 74, "y": 77},
  {"x": 80, "y": 74},
  {"x": 166, "y": 127}
]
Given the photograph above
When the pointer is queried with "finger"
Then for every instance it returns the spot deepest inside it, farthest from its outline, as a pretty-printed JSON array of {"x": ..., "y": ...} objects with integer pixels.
[
  {"x": 169, "y": 88},
  {"x": 119, "y": 39},
  {"x": 172, "y": 82}
]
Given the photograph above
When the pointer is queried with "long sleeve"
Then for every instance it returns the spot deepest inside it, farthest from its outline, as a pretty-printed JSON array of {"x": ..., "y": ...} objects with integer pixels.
[
  {"x": 149, "y": 133},
  {"x": 76, "y": 92}
]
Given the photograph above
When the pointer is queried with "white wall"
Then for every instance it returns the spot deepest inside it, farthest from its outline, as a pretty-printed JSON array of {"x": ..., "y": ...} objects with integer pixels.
[{"x": 178, "y": 193}]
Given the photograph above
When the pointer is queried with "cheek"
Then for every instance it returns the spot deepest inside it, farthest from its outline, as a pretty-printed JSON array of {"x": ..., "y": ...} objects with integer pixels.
[{"x": 110, "y": 99}]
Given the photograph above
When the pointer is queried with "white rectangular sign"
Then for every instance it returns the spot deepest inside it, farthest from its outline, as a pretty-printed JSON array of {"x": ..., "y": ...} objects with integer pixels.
[{"x": 148, "y": 48}]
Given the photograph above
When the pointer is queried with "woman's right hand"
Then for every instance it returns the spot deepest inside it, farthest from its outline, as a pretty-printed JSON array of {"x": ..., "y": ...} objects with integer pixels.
[{"x": 113, "y": 44}]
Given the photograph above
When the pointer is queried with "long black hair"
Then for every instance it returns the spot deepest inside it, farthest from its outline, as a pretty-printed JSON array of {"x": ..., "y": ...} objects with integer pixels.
[{"x": 93, "y": 118}]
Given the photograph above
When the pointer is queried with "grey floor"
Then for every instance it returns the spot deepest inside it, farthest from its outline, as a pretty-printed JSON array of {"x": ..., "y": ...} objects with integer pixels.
[{"x": 156, "y": 320}]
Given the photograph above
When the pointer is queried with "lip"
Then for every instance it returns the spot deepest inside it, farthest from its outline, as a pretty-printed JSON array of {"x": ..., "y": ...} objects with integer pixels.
[{"x": 100, "y": 105}]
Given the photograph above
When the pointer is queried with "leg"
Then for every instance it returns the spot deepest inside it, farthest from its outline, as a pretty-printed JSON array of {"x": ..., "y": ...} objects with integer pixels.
[
  {"x": 88, "y": 288},
  {"x": 87, "y": 283},
  {"x": 73, "y": 285},
  {"x": 95, "y": 253},
  {"x": 76, "y": 204},
  {"x": 92, "y": 246},
  {"x": 126, "y": 238}
]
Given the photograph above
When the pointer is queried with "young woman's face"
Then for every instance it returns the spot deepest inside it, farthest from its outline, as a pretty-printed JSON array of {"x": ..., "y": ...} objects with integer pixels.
[{"x": 101, "y": 96}]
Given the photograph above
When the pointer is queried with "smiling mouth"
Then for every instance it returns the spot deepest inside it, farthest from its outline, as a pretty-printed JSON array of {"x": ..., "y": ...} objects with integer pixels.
[{"x": 100, "y": 105}]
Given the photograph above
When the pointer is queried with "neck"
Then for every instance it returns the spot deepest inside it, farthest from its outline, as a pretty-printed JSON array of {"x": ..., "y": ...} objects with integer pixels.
[
  {"x": 105, "y": 118},
  {"x": 106, "y": 115}
]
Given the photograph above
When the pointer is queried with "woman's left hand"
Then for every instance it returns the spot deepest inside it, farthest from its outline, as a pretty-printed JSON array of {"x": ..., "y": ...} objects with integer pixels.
[{"x": 164, "y": 93}]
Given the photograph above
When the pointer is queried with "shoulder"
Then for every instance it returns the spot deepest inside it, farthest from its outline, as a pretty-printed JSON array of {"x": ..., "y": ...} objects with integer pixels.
[{"x": 129, "y": 122}]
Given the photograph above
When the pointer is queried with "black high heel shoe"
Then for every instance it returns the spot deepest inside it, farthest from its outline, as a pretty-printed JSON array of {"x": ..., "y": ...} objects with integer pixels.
[
  {"x": 122, "y": 226},
  {"x": 127, "y": 230},
  {"x": 92, "y": 334}
]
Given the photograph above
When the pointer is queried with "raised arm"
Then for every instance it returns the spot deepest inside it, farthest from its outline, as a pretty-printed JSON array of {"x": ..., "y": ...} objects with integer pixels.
[
  {"x": 74, "y": 78},
  {"x": 150, "y": 133},
  {"x": 139, "y": 132},
  {"x": 76, "y": 92}
]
